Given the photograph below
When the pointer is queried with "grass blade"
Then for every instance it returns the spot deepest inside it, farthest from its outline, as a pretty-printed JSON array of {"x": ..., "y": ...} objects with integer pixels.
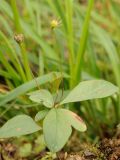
[
  {"x": 28, "y": 86},
  {"x": 83, "y": 41}
]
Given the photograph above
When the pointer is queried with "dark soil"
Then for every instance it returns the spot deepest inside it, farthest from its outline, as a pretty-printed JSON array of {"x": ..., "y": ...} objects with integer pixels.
[
  {"x": 111, "y": 148},
  {"x": 108, "y": 149}
]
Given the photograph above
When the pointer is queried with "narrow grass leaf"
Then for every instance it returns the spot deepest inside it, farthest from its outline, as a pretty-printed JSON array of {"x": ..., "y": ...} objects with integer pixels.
[
  {"x": 28, "y": 86},
  {"x": 83, "y": 42}
]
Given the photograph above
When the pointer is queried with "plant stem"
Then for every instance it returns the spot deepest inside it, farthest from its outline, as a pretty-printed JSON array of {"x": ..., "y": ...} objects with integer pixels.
[
  {"x": 16, "y": 16},
  {"x": 22, "y": 45},
  {"x": 25, "y": 61}
]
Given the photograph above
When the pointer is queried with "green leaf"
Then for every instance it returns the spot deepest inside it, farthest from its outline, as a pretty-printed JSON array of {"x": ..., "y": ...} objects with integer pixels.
[
  {"x": 74, "y": 120},
  {"x": 42, "y": 96},
  {"x": 17, "y": 126},
  {"x": 91, "y": 89},
  {"x": 29, "y": 85},
  {"x": 41, "y": 114},
  {"x": 56, "y": 130}
]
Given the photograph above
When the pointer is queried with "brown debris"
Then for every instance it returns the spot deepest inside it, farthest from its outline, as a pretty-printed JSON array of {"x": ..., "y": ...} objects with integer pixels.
[
  {"x": 111, "y": 148},
  {"x": 89, "y": 155},
  {"x": 74, "y": 157}
]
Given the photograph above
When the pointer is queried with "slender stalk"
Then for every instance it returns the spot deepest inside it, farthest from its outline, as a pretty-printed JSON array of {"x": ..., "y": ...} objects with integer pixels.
[
  {"x": 23, "y": 48},
  {"x": 25, "y": 61},
  {"x": 16, "y": 16}
]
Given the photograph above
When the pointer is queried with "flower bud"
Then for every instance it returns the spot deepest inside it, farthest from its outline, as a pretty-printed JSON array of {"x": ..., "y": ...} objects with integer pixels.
[
  {"x": 19, "y": 38},
  {"x": 54, "y": 24}
]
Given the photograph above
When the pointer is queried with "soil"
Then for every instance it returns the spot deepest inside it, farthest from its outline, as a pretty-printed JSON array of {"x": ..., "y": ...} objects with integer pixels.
[{"x": 107, "y": 149}]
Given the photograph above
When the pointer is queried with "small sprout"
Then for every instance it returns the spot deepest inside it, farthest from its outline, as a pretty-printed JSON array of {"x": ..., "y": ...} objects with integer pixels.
[
  {"x": 19, "y": 38},
  {"x": 54, "y": 23}
]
